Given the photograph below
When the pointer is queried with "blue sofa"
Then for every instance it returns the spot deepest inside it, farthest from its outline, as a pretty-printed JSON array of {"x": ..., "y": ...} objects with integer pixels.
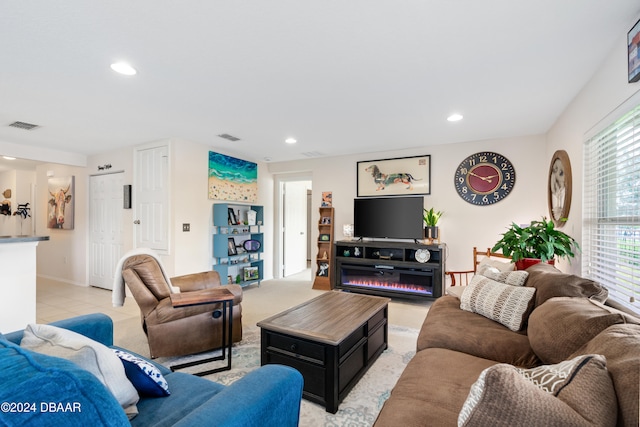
[{"x": 41, "y": 390}]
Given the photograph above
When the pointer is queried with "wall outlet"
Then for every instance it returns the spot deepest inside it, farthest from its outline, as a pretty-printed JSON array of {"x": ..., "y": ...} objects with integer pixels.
[{"x": 186, "y": 227}]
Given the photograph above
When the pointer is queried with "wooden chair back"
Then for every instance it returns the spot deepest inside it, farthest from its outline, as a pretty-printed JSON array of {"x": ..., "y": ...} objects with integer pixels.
[{"x": 462, "y": 278}]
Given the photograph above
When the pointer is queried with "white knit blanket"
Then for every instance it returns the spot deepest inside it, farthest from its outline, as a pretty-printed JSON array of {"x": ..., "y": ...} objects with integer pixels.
[{"x": 118, "y": 293}]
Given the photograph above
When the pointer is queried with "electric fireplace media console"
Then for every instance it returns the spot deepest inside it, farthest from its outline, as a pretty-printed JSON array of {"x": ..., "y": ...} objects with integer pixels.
[{"x": 409, "y": 270}]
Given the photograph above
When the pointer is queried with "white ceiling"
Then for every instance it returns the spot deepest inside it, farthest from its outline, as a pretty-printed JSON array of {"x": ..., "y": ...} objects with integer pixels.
[{"x": 340, "y": 76}]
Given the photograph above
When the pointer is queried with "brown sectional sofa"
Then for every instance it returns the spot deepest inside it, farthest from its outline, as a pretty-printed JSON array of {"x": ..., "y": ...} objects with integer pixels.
[{"x": 567, "y": 321}]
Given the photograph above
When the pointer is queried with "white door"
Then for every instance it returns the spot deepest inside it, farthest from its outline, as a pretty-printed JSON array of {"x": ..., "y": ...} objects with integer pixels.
[
  {"x": 105, "y": 225},
  {"x": 151, "y": 187},
  {"x": 295, "y": 226}
]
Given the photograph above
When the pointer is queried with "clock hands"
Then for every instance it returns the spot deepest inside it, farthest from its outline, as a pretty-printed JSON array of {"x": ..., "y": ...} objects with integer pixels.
[{"x": 484, "y": 178}]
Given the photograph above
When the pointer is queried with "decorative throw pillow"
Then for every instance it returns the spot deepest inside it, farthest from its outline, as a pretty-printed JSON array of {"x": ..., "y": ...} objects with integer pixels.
[
  {"x": 575, "y": 392},
  {"x": 500, "y": 265},
  {"x": 144, "y": 376},
  {"x": 86, "y": 353},
  {"x": 514, "y": 278},
  {"x": 506, "y": 304}
]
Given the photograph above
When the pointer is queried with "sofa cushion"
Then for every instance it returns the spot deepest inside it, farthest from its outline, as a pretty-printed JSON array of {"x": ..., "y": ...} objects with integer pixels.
[
  {"x": 447, "y": 326},
  {"x": 431, "y": 389},
  {"x": 27, "y": 376},
  {"x": 620, "y": 344},
  {"x": 574, "y": 393},
  {"x": 90, "y": 355},
  {"x": 551, "y": 282},
  {"x": 506, "y": 304},
  {"x": 562, "y": 325},
  {"x": 144, "y": 376},
  {"x": 188, "y": 392}
]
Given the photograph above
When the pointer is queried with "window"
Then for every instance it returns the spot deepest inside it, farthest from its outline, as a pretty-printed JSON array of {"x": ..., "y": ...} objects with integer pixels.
[{"x": 611, "y": 229}]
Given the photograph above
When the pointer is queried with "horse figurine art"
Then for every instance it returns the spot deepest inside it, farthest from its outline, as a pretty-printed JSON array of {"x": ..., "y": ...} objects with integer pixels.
[{"x": 383, "y": 179}]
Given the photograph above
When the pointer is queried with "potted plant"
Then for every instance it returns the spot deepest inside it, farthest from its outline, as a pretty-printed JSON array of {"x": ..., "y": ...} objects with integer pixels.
[
  {"x": 540, "y": 241},
  {"x": 431, "y": 218}
]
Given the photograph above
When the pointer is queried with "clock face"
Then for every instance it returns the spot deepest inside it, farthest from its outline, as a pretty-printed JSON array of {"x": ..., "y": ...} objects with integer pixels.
[{"x": 485, "y": 178}]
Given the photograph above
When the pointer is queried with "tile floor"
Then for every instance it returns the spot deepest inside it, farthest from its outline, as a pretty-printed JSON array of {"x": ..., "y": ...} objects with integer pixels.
[{"x": 57, "y": 300}]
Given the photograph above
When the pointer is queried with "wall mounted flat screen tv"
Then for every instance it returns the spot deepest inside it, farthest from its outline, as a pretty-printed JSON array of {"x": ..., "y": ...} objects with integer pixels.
[{"x": 388, "y": 217}]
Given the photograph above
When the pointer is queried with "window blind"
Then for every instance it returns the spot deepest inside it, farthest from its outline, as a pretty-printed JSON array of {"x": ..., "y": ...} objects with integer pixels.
[{"x": 611, "y": 208}]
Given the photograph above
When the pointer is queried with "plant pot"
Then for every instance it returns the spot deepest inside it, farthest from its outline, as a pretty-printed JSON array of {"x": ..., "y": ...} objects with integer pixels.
[
  {"x": 525, "y": 263},
  {"x": 431, "y": 233}
]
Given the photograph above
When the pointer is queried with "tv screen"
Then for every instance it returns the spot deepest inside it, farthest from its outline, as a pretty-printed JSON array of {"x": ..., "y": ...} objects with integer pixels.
[{"x": 388, "y": 217}]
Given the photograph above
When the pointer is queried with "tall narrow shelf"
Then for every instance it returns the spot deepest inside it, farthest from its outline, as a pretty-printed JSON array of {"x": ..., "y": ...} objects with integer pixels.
[
  {"x": 244, "y": 267},
  {"x": 324, "y": 258}
]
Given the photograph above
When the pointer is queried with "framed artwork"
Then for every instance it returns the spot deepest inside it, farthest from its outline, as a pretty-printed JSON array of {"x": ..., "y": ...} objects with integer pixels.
[
  {"x": 251, "y": 273},
  {"x": 394, "y": 177},
  {"x": 61, "y": 206},
  {"x": 559, "y": 187},
  {"x": 327, "y": 199},
  {"x": 325, "y": 237},
  {"x": 231, "y": 216},
  {"x": 231, "y": 247},
  {"x": 232, "y": 179},
  {"x": 633, "y": 43}
]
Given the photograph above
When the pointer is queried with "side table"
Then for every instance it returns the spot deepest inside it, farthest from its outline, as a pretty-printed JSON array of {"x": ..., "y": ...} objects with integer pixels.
[{"x": 210, "y": 296}]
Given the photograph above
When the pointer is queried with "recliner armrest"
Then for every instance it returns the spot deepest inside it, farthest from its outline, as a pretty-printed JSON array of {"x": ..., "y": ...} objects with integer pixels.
[
  {"x": 267, "y": 397},
  {"x": 205, "y": 280}
]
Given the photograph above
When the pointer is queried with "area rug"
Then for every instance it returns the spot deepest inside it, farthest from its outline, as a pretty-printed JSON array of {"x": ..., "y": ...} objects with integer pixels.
[{"x": 361, "y": 406}]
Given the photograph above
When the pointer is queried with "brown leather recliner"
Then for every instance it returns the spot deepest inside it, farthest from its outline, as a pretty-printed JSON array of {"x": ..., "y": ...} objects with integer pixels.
[{"x": 184, "y": 330}]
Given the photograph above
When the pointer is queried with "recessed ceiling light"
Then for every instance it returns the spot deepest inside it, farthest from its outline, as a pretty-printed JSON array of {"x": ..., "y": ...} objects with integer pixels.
[
  {"x": 8, "y": 158},
  {"x": 455, "y": 117},
  {"x": 123, "y": 68},
  {"x": 290, "y": 140}
]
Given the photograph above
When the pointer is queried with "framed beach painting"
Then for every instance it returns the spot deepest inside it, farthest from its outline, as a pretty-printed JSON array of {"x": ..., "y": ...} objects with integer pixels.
[
  {"x": 232, "y": 179},
  {"x": 402, "y": 176}
]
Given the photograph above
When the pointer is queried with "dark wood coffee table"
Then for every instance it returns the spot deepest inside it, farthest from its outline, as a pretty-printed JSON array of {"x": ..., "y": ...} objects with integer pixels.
[{"x": 332, "y": 340}]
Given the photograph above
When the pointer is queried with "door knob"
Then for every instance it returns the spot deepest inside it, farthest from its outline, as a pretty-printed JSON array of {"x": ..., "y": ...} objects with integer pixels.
[{"x": 137, "y": 221}]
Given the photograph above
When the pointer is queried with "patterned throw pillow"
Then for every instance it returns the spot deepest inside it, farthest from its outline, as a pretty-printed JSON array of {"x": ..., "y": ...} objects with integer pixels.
[
  {"x": 514, "y": 278},
  {"x": 506, "y": 304},
  {"x": 500, "y": 265},
  {"x": 144, "y": 376},
  {"x": 575, "y": 392}
]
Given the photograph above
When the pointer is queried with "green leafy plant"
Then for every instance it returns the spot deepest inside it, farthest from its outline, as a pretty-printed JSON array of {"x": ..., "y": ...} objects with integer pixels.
[
  {"x": 431, "y": 217},
  {"x": 539, "y": 240}
]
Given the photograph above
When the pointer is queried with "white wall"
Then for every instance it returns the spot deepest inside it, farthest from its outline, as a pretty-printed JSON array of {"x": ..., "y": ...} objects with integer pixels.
[
  {"x": 463, "y": 225},
  {"x": 64, "y": 256},
  {"x": 603, "y": 94}
]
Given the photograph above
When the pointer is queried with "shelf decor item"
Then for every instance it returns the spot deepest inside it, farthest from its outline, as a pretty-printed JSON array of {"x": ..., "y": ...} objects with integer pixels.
[
  {"x": 431, "y": 218},
  {"x": 231, "y": 247},
  {"x": 251, "y": 245},
  {"x": 250, "y": 273},
  {"x": 540, "y": 241},
  {"x": 394, "y": 177}
]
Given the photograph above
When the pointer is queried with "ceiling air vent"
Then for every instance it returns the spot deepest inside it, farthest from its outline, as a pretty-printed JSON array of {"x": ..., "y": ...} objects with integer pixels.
[
  {"x": 313, "y": 154},
  {"x": 23, "y": 125},
  {"x": 229, "y": 137}
]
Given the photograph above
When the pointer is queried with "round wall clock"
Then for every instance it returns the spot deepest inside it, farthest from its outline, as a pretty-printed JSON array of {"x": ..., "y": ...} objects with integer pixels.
[
  {"x": 559, "y": 188},
  {"x": 485, "y": 178}
]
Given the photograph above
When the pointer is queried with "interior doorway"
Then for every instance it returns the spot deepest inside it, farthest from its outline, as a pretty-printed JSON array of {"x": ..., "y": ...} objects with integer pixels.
[
  {"x": 293, "y": 219},
  {"x": 105, "y": 227}
]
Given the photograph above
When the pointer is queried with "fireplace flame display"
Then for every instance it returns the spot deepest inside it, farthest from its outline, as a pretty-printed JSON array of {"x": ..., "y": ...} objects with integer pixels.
[{"x": 391, "y": 286}]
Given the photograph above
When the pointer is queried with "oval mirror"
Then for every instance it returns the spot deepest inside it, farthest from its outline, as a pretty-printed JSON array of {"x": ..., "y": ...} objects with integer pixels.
[{"x": 251, "y": 245}]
